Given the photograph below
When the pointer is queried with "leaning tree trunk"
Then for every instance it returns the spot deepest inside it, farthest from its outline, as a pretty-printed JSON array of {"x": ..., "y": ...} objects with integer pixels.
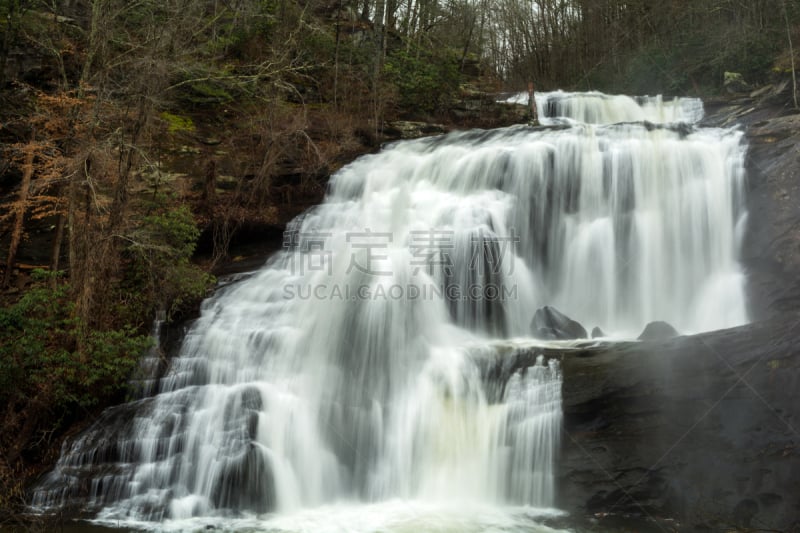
[
  {"x": 20, "y": 208},
  {"x": 791, "y": 54}
]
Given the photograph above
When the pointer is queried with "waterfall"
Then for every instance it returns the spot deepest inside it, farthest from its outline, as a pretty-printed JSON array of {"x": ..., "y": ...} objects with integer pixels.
[
  {"x": 598, "y": 108},
  {"x": 366, "y": 363}
]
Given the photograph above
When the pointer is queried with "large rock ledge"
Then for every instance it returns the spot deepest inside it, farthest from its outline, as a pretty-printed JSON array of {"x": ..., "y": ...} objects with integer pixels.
[{"x": 698, "y": 433}]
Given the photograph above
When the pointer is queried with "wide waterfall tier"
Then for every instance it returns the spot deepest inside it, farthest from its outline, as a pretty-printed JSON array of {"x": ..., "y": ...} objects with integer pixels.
[
  {"x": 362, "y": 363},
  {"x": 598, "y": 108},
  {"x": 265, "y": 435},
  {"x": 616, "y": 226}
]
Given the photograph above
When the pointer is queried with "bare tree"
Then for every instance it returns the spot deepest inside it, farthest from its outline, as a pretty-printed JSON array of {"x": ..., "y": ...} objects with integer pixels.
[{"x": 791, "y": 52}]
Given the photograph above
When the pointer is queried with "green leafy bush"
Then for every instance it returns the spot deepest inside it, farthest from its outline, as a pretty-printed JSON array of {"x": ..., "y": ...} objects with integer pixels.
[
  {"x": 160, "y": 272},
  {"x": 47, "y": 356}
]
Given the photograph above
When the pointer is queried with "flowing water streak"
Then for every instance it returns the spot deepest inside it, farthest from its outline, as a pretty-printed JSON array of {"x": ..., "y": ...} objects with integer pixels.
[
  {"x": 346, "y": 370},
  {"x": 145, "y": 378}
]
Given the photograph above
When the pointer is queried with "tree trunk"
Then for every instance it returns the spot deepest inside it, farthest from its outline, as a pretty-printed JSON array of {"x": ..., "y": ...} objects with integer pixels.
[
  {"x": 391, "y": 19},
  {"x": 20, "y": 208},
  {"x": 378, "y": 40},
  {"x": 791, "y": 53},
  {"x": 378, "y": 25},
  {"x": 210, "y": 185},
  {"x": 336, "y": 57},
  {"x": 467, "y": 44},
  {"x": 55, "y": 254}
]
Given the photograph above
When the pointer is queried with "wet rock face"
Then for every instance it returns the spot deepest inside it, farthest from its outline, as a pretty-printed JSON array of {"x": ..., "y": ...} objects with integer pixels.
[
  {"x": 771, "y": 250},
  {"x": 697, "y": 430},
  {"x": 770, "y": 253},
  {"x": 550, "y": 324}
]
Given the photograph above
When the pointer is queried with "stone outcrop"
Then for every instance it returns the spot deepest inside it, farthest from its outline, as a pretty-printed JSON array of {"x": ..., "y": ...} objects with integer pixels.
[
  {"x": 550, "y": 324},
  {"x": 408, "y": 129},
  {"x": 658, "y": 331}
]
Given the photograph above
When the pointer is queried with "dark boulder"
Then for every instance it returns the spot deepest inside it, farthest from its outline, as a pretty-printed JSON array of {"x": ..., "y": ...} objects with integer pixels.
[
  {"x": 549, "y": 323},
  {"x": 658, "y": 331},
  {"x": 546, "y": 334},
  {"x": 597, "y": 332}
]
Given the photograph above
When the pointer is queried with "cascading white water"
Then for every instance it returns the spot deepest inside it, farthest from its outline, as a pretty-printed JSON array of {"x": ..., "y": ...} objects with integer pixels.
[
  {"x": 598, "y": 108},
  {"x": 353, "y": 366}
]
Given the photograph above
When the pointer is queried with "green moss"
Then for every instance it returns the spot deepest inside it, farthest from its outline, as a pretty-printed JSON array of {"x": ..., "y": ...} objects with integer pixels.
[{"x": 177, "y": 123}]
